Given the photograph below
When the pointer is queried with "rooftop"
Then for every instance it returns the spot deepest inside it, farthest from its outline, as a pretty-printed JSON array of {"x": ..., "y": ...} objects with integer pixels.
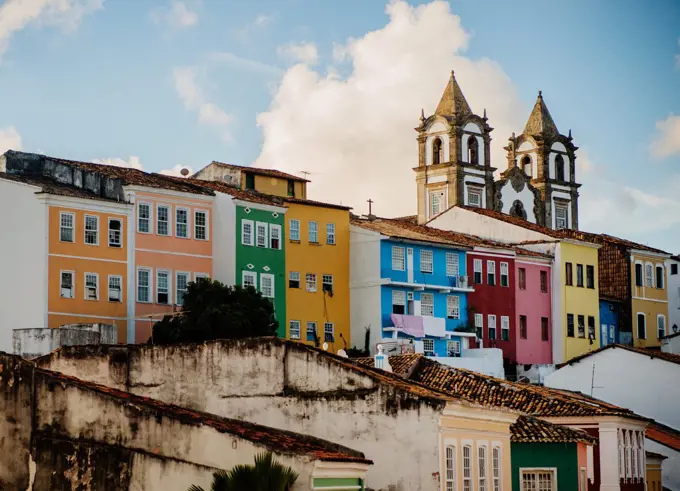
[
  {"x": 652, "y": 354},
  {"x": 238, "y": 193},
  {"x": 665, "y": 435},
  {"x": 261, "y": 172},
  {"x": 533, "y": 430},
  {"x": 50, "y": 186}
]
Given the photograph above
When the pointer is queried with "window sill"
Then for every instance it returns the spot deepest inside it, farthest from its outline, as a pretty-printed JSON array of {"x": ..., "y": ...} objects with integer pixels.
[
  {"x": 311, "y": 291},
  {"x": 314, "y": 243},
  {"x": 293, "y": 241},
  {"x": 67, "y": 241},
  {"x": 92, "y": 245}
]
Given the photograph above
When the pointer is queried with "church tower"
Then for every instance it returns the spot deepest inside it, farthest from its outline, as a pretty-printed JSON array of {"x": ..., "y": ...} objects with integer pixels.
[
  {"x": 546, "y": 161},
  {"x": 454, "y": 166}
]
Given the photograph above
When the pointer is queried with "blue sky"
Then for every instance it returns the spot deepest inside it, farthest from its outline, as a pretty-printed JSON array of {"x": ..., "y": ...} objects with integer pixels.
[{"x": 174, "y": 84}]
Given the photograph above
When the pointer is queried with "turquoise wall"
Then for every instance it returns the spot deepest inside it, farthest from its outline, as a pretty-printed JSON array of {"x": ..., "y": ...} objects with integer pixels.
[{"x": 562, "y": 456}]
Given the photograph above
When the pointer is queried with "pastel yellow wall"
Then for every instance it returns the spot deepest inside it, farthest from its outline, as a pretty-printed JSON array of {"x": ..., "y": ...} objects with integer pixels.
[
  {"x": 458, "y": 432},
  {"x": 651, "y": 301},
  {"x": 579, "y": 300},
  {"x": 276, "y": 186},
  {"x": 321, "y": 258},
  {"x": 653, "y": 476}
]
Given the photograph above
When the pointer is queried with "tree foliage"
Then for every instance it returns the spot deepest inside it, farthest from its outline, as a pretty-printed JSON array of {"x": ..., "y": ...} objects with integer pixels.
[{"x": 212, "y": 310}]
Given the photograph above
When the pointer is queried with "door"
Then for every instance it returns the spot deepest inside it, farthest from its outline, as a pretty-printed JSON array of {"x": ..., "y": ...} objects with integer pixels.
[
  {"x": 409, "y": 264},
  {"x": 604, "y": 335}
]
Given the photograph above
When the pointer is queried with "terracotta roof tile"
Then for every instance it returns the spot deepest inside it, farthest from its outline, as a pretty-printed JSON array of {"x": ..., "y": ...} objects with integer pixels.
[
  {"x": 661, "y": 355},
  {"x": 533, "y": 430},
  {"x": 238, "y": 193},
  {"x": 665, "y": 435},
  {"x": 261, "y": 172},
  {"x": 520, "y": 222},
  {"x": 310, "y": 202},
  {"x": 50, "y": 186}
]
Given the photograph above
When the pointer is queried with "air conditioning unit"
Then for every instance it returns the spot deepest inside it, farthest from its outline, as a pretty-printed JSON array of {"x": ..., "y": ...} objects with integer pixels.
[
  {"x": 91, "y": 293},
  {"x": 462, "y": 282},
  {"x": 66, "y": 292},
  {"x": 114, "y": 295}
]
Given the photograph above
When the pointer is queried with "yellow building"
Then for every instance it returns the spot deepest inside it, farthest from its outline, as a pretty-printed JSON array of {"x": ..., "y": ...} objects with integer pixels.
[
  {"x": 654, "y": 475},
  {"x": 317, "y": 268},
  {"x": 649, "y": 297}
]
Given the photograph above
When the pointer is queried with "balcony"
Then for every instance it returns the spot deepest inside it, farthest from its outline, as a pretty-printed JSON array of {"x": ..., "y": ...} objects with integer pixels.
[{"x": 424, "y": 281}]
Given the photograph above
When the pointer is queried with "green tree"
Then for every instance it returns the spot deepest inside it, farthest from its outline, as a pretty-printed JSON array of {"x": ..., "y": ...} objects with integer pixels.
[
  {"x": 212, "y": 310},
  {"x": 266, "y": 475}
]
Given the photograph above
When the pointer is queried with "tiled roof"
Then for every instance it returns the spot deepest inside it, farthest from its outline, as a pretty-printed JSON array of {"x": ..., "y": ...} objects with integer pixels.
[
  {"x": 238, "y": 193},
  {"x": 665, "y": 435},
  {"x": 261, "y": 172},
  {"x": 661, "y": 355},
  {"x": 654, "y": 455},
  {"x": 310, "y": 202},
  {"x": 532, "y": 430},
  {"x": 520, "y": 222},
  {"x": 276, "y": 440},
  {"x": 50, "y": 186},
  {"x": 604, "y": 238}
]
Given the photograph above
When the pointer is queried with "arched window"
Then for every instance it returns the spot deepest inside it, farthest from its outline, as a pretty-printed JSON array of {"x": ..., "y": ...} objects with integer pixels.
[
  {"x": 473, "y": 150},
  {"x": 559, "y": 168},
  {"x": 437, "y": 154},
  {"x": 526, "y": 165}
]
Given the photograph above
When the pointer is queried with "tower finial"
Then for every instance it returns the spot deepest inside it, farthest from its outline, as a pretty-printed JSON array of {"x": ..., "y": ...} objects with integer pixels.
[
  {"x": 422, "y": 114},
  {"x": 485, "y": 118},
  {"x": 570, "y": 137},
  {"x": 540, "y": 94}
]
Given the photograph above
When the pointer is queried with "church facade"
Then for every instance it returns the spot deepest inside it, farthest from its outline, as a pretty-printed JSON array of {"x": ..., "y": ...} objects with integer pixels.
[{"x": 454, "y": 165}]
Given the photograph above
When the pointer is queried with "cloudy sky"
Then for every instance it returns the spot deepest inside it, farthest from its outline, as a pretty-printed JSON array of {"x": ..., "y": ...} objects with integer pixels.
[{"x": 335, "y": 89}]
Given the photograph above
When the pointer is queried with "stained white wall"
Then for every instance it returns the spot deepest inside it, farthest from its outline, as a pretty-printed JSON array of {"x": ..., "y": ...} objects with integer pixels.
[
  {"x": 473, "y": 128},
  {"x": 224, "y": 239},
  {"x": 23, "y": 260},
  {"x": 437, "y": 130},
  {"x": 674, "y": 300},
  {"x": 365, "y": 285},
  {"x": 509, "y": 195}
]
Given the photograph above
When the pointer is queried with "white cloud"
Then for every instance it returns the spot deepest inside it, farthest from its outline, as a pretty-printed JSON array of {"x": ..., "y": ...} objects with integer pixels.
[
  {"x": 10, "y": 139},
  {"x": 15, "y": 15},
  {"x": 257, "y": 25},
  {"x": 208, "y": 113},
  {"x": 355, "y": 134},
  {"x": 246, "y": 63},
  {"x": 177, "y": 16},
  {"x": 177, "y": 171},
  {"x": 133, "y": 162},
  {"x": 299, "y": 52},
  {"x": 667, "y": 141}
]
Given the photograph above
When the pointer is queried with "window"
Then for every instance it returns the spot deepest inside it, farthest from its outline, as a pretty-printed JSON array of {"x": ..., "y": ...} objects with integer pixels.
[
  {"x": 275, "y": 236},
  {"x": 115, "y": 229},
  {"x": 426, "y": 261},
  {"x": 479, "y": 325},
  {"x": 591, "y": 327},
  {"x": 311, "y": 331},
  {"x": 247, "y": 232},
  {"x": 200, "y": 225},
  {"x": 638, "y": 274},
  {"x": 583, "y": 480},
  {"x": 267, "y": 285},
  {"x": 330, "y": 233},
  {"x": 182, "y": 223},
  {"x": 451, "y": 483},
  {"x": 310, "y": 280},
  {"x": 428, "y": 347},
  {"x": 294, "y": 328},
  {"x": 249, "y": 279},
  {"x": 561, "y": 216},
  {"x": 115, "y": 288},
  {"x": 538, "y": 480},
  {"x": 478, "y": 271},
  {"x": 491, "y": 272},
  {"x": 581, "y": 326},
  {"x": 570, "y": 325},
  {"x": 504, "y": 274},
  {"x": 261, "y": 234},
  {"x": 674, "y": 268},
  {"x": 91, "y": 286},
  {"x": 452, "y": 268},
  {"x": 579, "y": 275},
  {"x": 496, "y": 468},
  {"x": 545, "y": 336},
  {"x": 144, "y": 285},
  {"x": 328, "y": 334},
  {"x": 313, "y": 232},
  {"x": 659, "y": 276},
  {"x": 163, "y": 220},
  {"x": 67, "y": 286},
  {"x": 398, "y": 259},
  {"x": 467, "y": 468},
  {"x": 660, "y": 326},
  {"x": 198, "y": 276},
  {"x": 544, "y": 281},
  {"x": 427, "y": 304},
  {"x": 436, "y": 202},
  {"x": 523, "y": 327},
  {"x": 475, "y": 197},
  {"x": 473, "y": 150},
  {"x": 250, "y": 181},
  {"x": 452, "y": 348},
  {"x": 437, "y": 151},
  {"x": 91, "y": 230},
  {"x": 522, "y": 279},
  {"x": 559, "y": 168},
  {"x": 453, "y": 307},
  {"x": 181, "y": 282},
  {"x": 294, "y": 279},
  {"x": 568, "y": 275},
  {"x": 526, "y": 165},
  {"x": 66, "y": 223},
  {"x": 144, "y": 218},
  {"x": 327, "y": 283},
  {"x": 641, "y": 326},
  {"x": 291, "y": 187},
  {"x": 505, "y": 328},
  {"x": 481, "y": 469},
  {"x": 590, "y": 276},
  {"x": 491, "y": 322},
  {"x": 649, "y": 275},
  {"x": 162, "y": 287},
  {"x": 295, "y": 230}
]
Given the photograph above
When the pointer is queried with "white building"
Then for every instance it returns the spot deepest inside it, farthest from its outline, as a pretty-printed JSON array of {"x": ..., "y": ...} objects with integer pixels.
[{"x": 674, "y": 296}]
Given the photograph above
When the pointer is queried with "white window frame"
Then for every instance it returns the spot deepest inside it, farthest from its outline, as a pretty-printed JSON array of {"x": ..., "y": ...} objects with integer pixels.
[
  {"x": 649, "y": 275},
  {"x": 426, "y": 260},
  {"x": 329, "y": 328},
  {"x": 120, "y": 282},
  {"x": 496, "y": 468},
  {"x": 467, "y": 467},
  {"x": 491, "y": 325},
  {"x": 309, "y": 324},
  {"x": 453, "y": 346},
  {"x": 275, "y": 230},
  {"x": 198, "y": 211},
  {"x": 453, "y": 306},
  {"x": 437, "y": 197},
  {"x": 505, "y": 327},
  {"x": 73, "y": 284},
  {"x": 294, "y": 230},
  {"x": 270, "y": 277},
  {"x": 637, "y": 329},
  {"x": 294, "y": 276},
  {"x": 398, "y": 258},
  {"x": 313, "y": 232},
  {"x": 167, "y": 222},
  {"x": 177, "y": 275},
  {"x": 428, "y": 343},
  {"x": 452, "y": 264},
  {"x": 249, "y": 274},
  {"x": 150, "y": 219},
  {"x": 330, "y": 233},
  {"x": 491, "y": 270},
  {"x": 663, "y": 276},
  {"x": 477, "y": 268},
  {"x": 482, "y": 468},
  {"x": 262, "y": 232},
  {"x": 119, "y": 245},
  {"x": 398, "y": 298},
  {"x": 327, "y": 280},
  {"x": 659, "y": 332},
  {"x": 168, "y": 289},
  {"x": 538, "y": 470},
  {"x": 294, "y": 326},
  {"x": 251, "y": 234},
  {"x": 310, "y": 282},
  {"x": 72, "y": 228},
  {"x": 200, "y": 275},
  {"x": 178, "y": 223},
  {"x": 565, "y": 219},
  {"x": 149, "y": 271},
  {"x": 96, "y": 276},
  {"x": 478, "y": 193},
  {"x": 430, "y": 305},
  {"x": 96, "y": 219},
  {"x": 479, "y": 321},
  {"x": 450, "y": 475},
  {"x": 505, "y": 273}
]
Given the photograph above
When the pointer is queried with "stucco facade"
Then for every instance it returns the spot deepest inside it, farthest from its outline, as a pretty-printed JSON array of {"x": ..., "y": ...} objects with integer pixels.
[
  {"x": 563, "y": 464},
  {"x": 673, "y": 279},
  {"x": 649, "y": 298}
]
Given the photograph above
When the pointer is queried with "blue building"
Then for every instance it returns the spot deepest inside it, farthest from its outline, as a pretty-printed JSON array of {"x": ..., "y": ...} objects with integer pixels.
[
  {"x": 610, "y": 314},
  {"x": 409, "y": 286}
]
